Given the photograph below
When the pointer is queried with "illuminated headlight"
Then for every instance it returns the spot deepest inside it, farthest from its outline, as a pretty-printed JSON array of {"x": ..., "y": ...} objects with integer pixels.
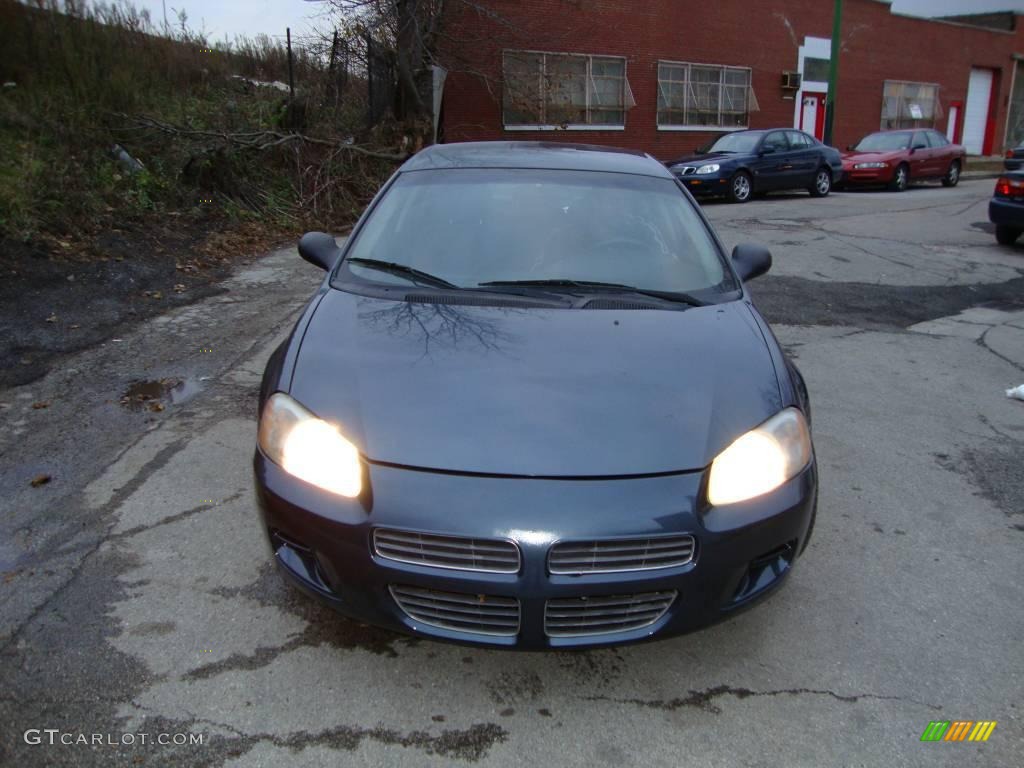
[
  {"x": 710, "y": 168},
  {"x": 309, "y": 448},
  {"x": 861, "y": 166},
  {"x": 761, "y": 460}
]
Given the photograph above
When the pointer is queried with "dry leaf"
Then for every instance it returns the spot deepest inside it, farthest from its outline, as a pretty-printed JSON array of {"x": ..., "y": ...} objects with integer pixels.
[
  {"x": 40, "y": 480},
  {"x": 157, "y": 407},
  {"x": 52, "y": 318},
  {"x": 41, "y": 404}
]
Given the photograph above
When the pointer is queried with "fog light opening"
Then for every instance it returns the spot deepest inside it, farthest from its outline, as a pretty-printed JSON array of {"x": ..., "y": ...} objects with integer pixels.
[{"x": 765, "y": 570}]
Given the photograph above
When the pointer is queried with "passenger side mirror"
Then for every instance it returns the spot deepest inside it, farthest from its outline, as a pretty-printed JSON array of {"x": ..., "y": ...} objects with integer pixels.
[
  {"x": 767, "y": 151},
  {"x": 320, "y": 249},
  {"x": 751, "y": 260},
  {"x": 851, "y": 147}
]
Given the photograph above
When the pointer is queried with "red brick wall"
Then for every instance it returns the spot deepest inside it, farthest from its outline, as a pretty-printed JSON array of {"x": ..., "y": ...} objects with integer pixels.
[{"x": 877, "y": 46}]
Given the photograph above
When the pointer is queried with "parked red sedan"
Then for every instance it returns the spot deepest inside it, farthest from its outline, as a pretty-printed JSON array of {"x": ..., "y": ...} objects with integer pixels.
[{"x": 895, "y": 158}]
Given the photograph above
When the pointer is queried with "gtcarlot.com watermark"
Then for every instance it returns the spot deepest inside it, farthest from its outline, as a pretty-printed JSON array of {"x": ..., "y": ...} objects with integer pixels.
[{"x": 56, "y": 737}]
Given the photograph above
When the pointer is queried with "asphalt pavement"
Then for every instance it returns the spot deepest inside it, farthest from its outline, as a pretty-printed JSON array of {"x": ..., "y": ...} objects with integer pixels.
[{"x": 137, "y": 595}]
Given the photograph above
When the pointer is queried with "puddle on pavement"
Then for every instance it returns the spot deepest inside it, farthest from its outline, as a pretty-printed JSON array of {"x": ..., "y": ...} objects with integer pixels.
[{"x": 154, "y": 394}]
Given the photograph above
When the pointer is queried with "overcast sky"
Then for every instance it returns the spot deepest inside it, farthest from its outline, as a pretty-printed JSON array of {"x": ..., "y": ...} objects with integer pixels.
[
  {"x": 951, "y": 7},
  {"x": 239, "y": 17},
  {"x": 251, "y": 17}
]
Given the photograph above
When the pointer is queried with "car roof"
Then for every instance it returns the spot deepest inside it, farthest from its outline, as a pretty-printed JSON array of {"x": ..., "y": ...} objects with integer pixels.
[{"x": 535, "y": 154}]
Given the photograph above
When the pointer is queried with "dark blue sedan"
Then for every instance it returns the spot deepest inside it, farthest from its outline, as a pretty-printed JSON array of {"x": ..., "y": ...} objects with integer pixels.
[
  {"x": 1006, "y": 208},
  {"x": 742, "y": 164},
  {"x": 533, "y": 406}
]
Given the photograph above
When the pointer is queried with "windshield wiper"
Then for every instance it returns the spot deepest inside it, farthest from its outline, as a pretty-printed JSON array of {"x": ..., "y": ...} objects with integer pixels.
[
  {"x": 681, "y": 298},
  {"x": 403, "y": 270}
]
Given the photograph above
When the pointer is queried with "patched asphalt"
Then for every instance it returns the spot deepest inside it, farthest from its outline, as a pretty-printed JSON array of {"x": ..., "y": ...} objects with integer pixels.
[{"x": 136, "y": 594}]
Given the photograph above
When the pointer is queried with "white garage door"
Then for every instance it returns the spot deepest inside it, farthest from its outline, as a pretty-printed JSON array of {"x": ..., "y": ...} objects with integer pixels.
[{"x": 979, "y": 90}]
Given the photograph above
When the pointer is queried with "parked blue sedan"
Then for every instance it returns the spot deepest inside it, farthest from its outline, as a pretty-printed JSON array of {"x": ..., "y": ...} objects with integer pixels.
[
  {"x": 742, "y": 164},
  {"x": 533, "y": 406}
]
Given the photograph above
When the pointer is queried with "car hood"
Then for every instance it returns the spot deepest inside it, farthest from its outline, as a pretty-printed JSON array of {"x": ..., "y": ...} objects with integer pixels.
[
  {"x": 535, "y": 391},
  {"x": 714, "y": 157},
  {"x": 870, "y": 157}
]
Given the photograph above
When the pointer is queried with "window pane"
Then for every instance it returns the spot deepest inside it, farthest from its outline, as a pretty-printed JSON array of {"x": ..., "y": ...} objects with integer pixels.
[
  {"x": 521, "y": 92},
  {"x": 816, "y": 69},
  {"x": 608, "y": 66}
]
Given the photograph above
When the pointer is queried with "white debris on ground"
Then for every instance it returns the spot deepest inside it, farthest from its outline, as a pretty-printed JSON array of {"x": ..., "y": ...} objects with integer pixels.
[
  {"x": 264, "y": 83},
  {"x": 1017, "y": 393}
]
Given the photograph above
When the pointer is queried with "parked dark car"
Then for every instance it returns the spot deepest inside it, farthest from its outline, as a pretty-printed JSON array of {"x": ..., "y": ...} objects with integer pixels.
[
  {"x": 742, "y": 164},
  {"x": 533, "y": 406},
  {"x": 896, "y": 158},
  {"x": 1014, "y": 159},
  {"x": 1006, "y": 208}
]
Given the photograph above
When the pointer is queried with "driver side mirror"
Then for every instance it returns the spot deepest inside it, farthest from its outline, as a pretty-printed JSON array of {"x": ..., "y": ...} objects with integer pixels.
[
  {"x": 751, "y": 260},
  {"x": 851, "y": 147},
  {"x": 917, "y": 147},
  {"x": 767, "y": 151},
  {"x": 320, "y": 249}
]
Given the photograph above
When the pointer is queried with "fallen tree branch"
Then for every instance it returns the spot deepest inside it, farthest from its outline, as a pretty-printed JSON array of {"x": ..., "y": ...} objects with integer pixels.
[{"x": 257, "y": 140}]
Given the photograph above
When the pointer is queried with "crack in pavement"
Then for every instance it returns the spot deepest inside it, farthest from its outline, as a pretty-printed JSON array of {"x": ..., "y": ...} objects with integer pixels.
[
  {"x": 704, "y": 699},
  {"x": 178, "y": 516}
]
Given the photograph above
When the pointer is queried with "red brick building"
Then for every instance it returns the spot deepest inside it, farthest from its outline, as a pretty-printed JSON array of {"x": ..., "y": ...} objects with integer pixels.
[{"x": 667, "y": 76}]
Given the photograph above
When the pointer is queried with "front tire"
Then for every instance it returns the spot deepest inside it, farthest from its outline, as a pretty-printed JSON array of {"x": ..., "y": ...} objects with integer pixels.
[
  {"x": 952, "y": 177},
  {"x": 741, "y": 189},
  {"x": 900, "y": 178},
  {"x": 1006, "y": 235},
  {"x": 822, "y": 183}
]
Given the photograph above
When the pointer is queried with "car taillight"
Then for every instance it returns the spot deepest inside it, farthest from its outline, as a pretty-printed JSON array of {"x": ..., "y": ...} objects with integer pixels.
[
  {"x": 1009, "y": 153},
  {"x": 1007, "y": 187}
]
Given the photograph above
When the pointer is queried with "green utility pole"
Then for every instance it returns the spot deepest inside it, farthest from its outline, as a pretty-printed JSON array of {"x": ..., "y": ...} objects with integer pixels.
[{"x": 833, "y": 72}]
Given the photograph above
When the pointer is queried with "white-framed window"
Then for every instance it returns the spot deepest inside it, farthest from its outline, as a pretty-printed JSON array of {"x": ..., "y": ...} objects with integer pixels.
[
  {"x": 910, "y": 105},
  {"x": 704, "y": 96},
  {"x": 564, "y": 90}
]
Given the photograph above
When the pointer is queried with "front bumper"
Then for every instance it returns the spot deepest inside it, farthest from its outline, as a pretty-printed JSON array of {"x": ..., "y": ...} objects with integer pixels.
[
  {"x": 706, "y": 185},
  {"x": 323, "y": 543},
  {"x": 1006, "y": 212},
  {"x": 853, "y": 176}
]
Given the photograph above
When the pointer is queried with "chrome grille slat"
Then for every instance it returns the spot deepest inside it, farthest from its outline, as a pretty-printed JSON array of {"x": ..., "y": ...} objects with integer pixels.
[
  {"x": 613, "y": 555},
  {"x": 604, "y": 614},
  {"x": 426, "y": 539},
  {"x": 492, "y": 615},
  {"x": 440, "y": 551}
]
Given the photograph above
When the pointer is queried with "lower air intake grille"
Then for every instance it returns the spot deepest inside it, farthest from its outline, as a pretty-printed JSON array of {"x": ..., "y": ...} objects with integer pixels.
[
  {"x": 457, "y": 552},
  {"x": 480, "y": 614},
  {"x": 611, "y": 555},
  {"x": 604, "y": 615}
]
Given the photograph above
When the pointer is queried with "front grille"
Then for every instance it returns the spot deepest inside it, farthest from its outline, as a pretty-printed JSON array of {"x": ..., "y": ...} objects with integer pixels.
[
  {"x": 479, "y": 614},
  {"x": 611, "y": 555},
  {"x": 458, "y": 552},
  {"x": 603, "y": 615}
]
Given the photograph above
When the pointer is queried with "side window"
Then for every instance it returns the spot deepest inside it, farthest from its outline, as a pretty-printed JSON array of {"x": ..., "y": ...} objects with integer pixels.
[
  {"x": 796, "y": 140},
  {"x": 936, "y": 139},
  {"x": 776, "y": 140},
  {"x": 919, "y": 140}
]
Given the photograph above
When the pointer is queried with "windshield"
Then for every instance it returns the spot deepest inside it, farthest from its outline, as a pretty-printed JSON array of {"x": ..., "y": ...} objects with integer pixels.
[
  {"x": 474, "y": 226},
  {"x": 884, "y": 142},
  {"x": 736, "y": 142}
]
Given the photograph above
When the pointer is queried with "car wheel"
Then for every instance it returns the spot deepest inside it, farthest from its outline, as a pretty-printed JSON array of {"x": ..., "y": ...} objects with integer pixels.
[
  {"x": 952, "y": 175},
  {"x": 822, "y": 183},
  {"x": 900, "y": 178},
  {"x": 740, "y": 188},
  {"x": 1006, "y": 235}
]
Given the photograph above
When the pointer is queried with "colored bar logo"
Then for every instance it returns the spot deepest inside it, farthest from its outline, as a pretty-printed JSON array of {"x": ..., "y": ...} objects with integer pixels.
[{"x": 958, "y": 730}]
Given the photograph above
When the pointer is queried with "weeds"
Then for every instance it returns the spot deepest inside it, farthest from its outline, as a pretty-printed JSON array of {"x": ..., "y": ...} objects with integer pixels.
[{"x": 84, "y": 73}]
